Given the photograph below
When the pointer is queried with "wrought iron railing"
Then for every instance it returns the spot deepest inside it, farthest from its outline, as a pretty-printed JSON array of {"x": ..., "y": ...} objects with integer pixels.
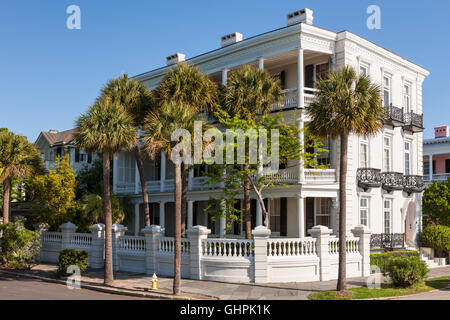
[
  {"x": 393, "y": 115},
  {"x": 368, "y": 178},
  {"x": 413, "y": 183},
  {"x": 387, "y": 240},
  {"x": 413, "y": 120},
  {"x": 392, "y": 181}
]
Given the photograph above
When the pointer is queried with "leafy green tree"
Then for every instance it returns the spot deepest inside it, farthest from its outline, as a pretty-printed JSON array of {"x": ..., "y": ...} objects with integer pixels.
[
  {"x": 345, "y": 104},
  {"x": 186, "y": 86},
  {"x": 106, "y": 128},
  {"x": 436, "y": 202},
  {"x": 90, "y": 178},
  {"x": 137, "y": 100},
  {"x": 158, "y": 128},
  {"x": 232, "y": 174},
  {"x": 249, "y": 92},
  {"x": 18, "y": 158},
  {"x": 54, "y": 192}
]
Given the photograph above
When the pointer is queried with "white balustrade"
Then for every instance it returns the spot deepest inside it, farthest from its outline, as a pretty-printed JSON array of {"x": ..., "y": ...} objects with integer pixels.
[
  {"x": 352, "y": 245},
  {"x": 167, "y": 245},
  {"x": 227, "y": 248},
  {"x": 320, "y": 175},
  {"x": 153, "y": 186},
  {"x": 199, "y": 183},
  {"x": 286, "y": 247},
  {"x": 285, "y": 176},
  {"x": 132, "y": 243},
  {"x": 51, "y": 237},
  {"x": 81, "y": 240},
  {"x": 125, "y": 187}
]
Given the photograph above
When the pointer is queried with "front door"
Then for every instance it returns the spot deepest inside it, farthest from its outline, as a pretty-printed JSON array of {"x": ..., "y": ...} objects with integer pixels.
[{"x": 410, "y": 228}]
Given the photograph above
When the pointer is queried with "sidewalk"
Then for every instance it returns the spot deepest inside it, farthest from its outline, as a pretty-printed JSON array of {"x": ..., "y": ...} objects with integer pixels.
[{"x": 140, "y": 285}]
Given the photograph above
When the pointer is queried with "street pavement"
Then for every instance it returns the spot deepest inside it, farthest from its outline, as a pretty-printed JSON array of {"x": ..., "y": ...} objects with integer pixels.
[{"x": 22, "y": 288}]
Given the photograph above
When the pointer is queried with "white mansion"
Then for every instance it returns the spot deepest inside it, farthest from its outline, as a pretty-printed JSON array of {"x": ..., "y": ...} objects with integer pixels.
[{"x": 384, "y": 181}]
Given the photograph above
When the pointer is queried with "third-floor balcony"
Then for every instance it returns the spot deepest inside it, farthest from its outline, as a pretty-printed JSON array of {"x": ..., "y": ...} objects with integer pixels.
[
  {"x": 397, "y": 117},
  {"x": 413, "y": 183},
  {"x": 393, "y": 116},
  {"x": 413, "y": 122}
]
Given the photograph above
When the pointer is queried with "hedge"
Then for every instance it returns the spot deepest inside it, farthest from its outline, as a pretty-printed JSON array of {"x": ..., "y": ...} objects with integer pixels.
[
  {"x": 381, "y": 259},
  {"x": 70, "y": 257},
  {"x": 437, "y": 236}
]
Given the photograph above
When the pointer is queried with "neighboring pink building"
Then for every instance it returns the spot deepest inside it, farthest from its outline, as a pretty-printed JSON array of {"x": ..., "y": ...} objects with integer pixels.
[{"x": 436, "y": 155}]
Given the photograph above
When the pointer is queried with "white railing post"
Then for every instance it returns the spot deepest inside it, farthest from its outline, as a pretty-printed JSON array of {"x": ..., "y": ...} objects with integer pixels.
[
  {"x": 118, "y": 231},
  {"x": 152, "y": 234},
  {"x": 260, "y": 236},
  {"x": 196, "y": 236},
  {"x": 363, "y": 233},
  {"x": 96, "y": 255},
  {"x": 41, "y": 227},
  {"x": 67, "y": 229},
  {"x": 322, "y": 235}
]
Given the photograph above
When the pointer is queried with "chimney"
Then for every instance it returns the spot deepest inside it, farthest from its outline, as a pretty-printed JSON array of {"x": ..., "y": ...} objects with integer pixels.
[
  {"x": 53, "y": 131},
  {"x": 175, "y": 58},
  {"x": 303, "y": 16},
  {"x": 231, "y": 38},
  {"x": 441, "y": 131}
]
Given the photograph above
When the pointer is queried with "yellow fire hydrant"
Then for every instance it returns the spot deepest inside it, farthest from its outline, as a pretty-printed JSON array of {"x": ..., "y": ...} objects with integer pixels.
[{"x": 154, "y": 280}]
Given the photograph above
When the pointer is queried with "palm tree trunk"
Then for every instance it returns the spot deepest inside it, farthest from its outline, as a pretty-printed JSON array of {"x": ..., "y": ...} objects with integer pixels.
[
  {"x": 177, "y": 251},
  {"x": 6, "y": 198},
  {"x": 109, "y": 277},
  {"x": 247, "y": 212},
  {"x": 140, "y": 166},
  {"x": 342, "y": 283},
  {"x": 184, "y": 191}
]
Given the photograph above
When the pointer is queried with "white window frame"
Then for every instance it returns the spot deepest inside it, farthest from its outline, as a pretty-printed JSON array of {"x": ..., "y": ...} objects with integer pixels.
[
  {"x": 391, "y": 202},
  {"x": 367, "y": 208},
  {"x": 385, "y": 169},
  {"x": 366, "y": 66},
  {"x": 387, "y": 87},
  {"x": 318, "y": 210},
  {"x": 364, "y": 141},
  {"x": 407, "y": 106},
  {"x": 407, "y": 171}
]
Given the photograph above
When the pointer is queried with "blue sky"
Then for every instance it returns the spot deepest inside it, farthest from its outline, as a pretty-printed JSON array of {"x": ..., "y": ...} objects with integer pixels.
[{"x": 50, "y": 74}]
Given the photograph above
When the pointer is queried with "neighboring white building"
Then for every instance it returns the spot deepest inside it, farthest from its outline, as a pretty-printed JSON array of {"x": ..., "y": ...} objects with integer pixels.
[
  {"x": 384, "y": 180},
  {"x": 53, "y": 143}
]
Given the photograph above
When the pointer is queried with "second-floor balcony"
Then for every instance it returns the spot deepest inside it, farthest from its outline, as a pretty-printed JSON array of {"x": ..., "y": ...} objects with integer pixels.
[
  {"x": 290, "y": 97},
  {"x": 391, "y": 181},
  {"x": 413, "y": 183},
  {"x": 393, "y": 116},
  {"x": 368, "y": 178},
  {"x": 413, "y": 122}
]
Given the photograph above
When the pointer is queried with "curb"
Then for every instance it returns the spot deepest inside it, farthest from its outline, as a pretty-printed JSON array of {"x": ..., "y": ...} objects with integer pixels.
[{"x": 88, "y": 286}]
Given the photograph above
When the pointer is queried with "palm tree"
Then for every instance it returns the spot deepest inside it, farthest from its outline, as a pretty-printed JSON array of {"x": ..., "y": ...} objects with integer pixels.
[
  {"x": 345, "y": 104},
  {"x": 158, "y": 128},
  {"x": 249, "y": 92},
  {"x": 137, "y": 100},
  {"x": 186, "y": 86},
  {"x": 106, "y": 128},
  {"x": 18, "y": 158}
]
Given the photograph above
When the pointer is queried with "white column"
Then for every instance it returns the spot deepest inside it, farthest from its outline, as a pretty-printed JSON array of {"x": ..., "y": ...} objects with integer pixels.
[
  {"x": 190, "y": 212},
  {"x": 224, "y": 76},
  {"x": 163, "y": 170},
  {"x": 136, "y": 179},
  {"x": 301, "y": 216},
  {"x": 300, "y": 79},
  {"x": 222, "y": 223},
  {"x": 261, "y": 63},
  {"x": 161, "y": 214},
  {"x": 431, "y": 167},
  {"x": 136, "y": 219}
]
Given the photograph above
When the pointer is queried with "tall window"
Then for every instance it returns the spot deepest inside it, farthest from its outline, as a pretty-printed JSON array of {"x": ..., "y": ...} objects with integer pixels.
[
  {"x": 407, "y": 97},
  {"x": 323, "y": 212},
  {"x": 426, "y": 168},
  {"x": 364, "y": 211},
  {"x": 324, "y": 157},
  {"x": 275, "y": 214},
  {"x": 387, "y": 90},
  {"x": 321, "y": 71},
  {"x": 363, "y": 69},
  {"x": 407, "y": 158},
  {"x": 387, "y": 215},
  {"x": 363, "y": 152},
  {"x": 126, "y": 166},
  {"x": 387, "y": 154}
]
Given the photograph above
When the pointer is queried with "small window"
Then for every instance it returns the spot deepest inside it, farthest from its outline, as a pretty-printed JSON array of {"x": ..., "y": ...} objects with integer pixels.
[{"x": 363, "y": 152}]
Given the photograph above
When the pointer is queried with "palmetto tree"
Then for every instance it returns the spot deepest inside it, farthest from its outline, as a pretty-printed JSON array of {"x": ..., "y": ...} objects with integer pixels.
[
  {"x": 345, "y": 104},
  {"x": 249, "y": 92},
  {"x": 186, "y": 86},
  {"x": 106, "y": 128},
  {"x": 137, "y": 100},
  {"x": 18, "y": 158},
  {"x": 158, "y": 128}
]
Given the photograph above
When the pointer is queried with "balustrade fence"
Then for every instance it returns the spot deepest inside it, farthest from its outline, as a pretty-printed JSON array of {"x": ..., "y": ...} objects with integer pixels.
[{"x": 261, "y": 259}]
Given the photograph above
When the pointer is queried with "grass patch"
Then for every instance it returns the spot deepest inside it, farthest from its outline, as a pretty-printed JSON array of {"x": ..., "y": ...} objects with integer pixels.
[{"x": 386, "y": 290}]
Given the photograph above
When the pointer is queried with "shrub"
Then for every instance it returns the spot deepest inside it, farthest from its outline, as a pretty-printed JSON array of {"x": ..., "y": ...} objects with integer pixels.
[
  {"x": 69, "y": 257},
  {"x": 436, "y": 236},
  {"x": 406, "y": 271},
  {"x": 381, "y": 259},
  {"x": 19, "y": 245}
]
